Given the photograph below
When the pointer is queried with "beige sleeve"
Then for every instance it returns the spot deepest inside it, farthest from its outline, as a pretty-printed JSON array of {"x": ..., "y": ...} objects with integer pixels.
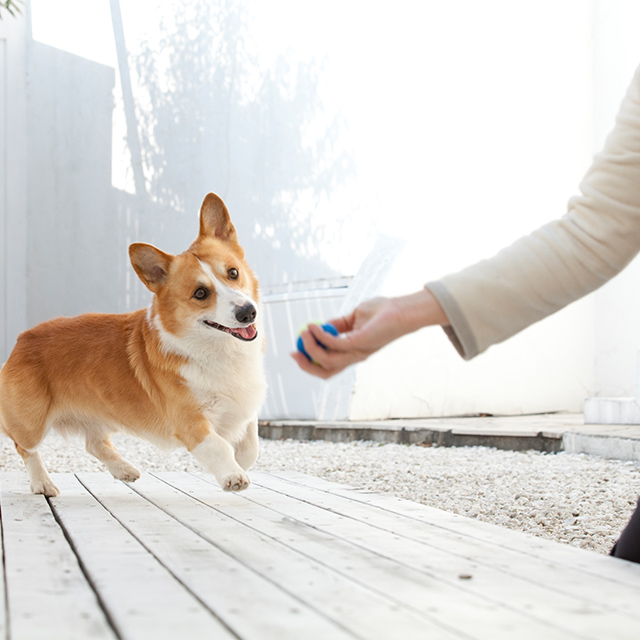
[{"x": 564, "y": 260}]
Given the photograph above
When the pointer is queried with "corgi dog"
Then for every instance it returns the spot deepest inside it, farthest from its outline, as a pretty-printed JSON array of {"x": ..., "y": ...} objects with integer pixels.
[{"x": 187, "y": 371}]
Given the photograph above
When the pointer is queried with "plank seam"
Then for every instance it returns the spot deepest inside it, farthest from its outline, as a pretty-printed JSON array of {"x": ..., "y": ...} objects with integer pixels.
[
  {"x": 158, "y": 560},
  {"x": 107, "y": 614},
  {"x": 230, "y": 555},
  {"x": 523, "y": 612},
  {"x": 359, "y": 500},
  {"x": 427, "y": 544},
  {"x": 348, "y": 541}
]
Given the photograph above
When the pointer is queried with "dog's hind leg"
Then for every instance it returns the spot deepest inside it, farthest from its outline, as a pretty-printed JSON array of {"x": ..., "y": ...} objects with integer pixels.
[
  {"x": 39, "y": 477},
  {"x": 28, "y": 439},
  {"x": 101, "y": 447}
]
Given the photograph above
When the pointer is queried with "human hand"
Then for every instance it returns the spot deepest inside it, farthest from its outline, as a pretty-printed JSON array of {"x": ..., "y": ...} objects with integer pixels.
[
  {"x": 372, "y": 325},
  {"x": 361, "y": 333}
]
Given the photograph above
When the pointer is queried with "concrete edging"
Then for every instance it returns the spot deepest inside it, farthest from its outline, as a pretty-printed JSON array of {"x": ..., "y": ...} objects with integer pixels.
[
  {"x": 341, "y": 432},
  {"x": 550, "y": 433}
]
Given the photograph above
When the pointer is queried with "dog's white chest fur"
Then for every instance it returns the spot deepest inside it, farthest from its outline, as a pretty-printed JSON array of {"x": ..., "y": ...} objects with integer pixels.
[{"x": 228, "y": 384}]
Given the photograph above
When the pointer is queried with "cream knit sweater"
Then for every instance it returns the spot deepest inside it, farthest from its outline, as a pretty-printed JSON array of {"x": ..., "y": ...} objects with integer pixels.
[{"x": 564, "y": 260}]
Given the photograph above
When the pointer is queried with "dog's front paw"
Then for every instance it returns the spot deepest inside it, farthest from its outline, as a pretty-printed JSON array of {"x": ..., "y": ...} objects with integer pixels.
[
  {"x": 124, "y": 471},
  {"x": 46, "y": 488},
  {"x": 237, "y": 481}
]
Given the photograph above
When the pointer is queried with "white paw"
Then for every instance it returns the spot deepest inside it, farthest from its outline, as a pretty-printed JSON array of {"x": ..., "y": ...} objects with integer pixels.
[
  {"x": 124, "y": 471},
  {"x": 45, "y": 487},
  {"x": 237, "y": 481}
]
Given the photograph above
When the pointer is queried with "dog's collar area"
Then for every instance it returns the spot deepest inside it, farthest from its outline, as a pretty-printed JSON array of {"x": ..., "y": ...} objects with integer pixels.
[{"x": 247, "y": 334}]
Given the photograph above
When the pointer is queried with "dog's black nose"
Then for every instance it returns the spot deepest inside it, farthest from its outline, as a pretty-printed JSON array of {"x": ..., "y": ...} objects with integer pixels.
[{"x": 246, "y": 314}]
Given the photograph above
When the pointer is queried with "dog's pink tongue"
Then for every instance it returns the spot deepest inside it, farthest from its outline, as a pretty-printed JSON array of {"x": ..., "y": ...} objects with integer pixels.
[{"x": 248, "y": 333}]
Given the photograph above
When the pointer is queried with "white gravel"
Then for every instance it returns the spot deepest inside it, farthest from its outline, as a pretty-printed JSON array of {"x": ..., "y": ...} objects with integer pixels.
[{"x": 575, "y": 499}]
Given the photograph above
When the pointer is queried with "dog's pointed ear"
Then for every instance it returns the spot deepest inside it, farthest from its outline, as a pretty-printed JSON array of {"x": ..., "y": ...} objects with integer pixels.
[
  {"x": 215, "y": 220},
  {"x": 151, "y": 264}
]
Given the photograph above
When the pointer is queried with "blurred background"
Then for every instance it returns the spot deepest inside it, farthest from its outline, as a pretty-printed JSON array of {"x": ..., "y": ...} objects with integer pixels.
[{"x": 333, "y": 130}]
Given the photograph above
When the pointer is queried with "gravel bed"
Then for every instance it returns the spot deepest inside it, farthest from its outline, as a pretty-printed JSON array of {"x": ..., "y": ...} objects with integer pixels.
[{"x": 571, "y": 498}]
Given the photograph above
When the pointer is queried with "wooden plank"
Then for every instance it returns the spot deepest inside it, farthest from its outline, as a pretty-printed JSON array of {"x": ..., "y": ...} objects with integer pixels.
[
  {"x": 351, "y": 604},
  {"x": 250, "y": 605},
  {"x": 48, "y": 594},
  {"x": 466, "y": 540},
  {"x": 597, "y": 565},
  {"x": 441, "y": 596},
  {"x": 518, "y": 582},
  {"x": 143, "y": 599}
]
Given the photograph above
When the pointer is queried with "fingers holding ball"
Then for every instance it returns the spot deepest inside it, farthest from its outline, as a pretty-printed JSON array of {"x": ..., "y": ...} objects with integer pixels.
[{"x": 327, "y": 328}]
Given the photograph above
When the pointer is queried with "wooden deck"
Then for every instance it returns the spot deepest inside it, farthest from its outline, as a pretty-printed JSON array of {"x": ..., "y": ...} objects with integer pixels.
[{"x": 172, "y": 556}]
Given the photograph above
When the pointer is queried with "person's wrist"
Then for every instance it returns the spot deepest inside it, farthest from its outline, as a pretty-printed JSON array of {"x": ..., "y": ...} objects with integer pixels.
[{"x": 420, "y": 309}]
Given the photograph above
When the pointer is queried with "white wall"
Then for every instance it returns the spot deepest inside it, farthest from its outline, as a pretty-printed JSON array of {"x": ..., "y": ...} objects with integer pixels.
[
  {"x": 13, "y": 183},
  {"x": 424, "y": 120},
  {"x": 510, "y": 135},
  {"x": 591, "y": 347},
  {"x": 618, "y": 302}
]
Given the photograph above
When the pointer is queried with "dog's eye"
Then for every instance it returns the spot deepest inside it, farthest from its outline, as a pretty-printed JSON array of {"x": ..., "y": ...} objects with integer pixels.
[
  {"x": 200, "y": 293},
  {"x": 233, "y": 273}
]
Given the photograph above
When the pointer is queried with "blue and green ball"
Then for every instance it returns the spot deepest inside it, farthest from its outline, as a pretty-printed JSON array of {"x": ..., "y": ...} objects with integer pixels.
[{"x": 328, "y": 327}]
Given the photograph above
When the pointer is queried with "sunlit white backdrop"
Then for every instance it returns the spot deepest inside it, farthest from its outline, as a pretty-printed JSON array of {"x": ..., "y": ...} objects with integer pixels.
[{"x": 453, "y": 126}]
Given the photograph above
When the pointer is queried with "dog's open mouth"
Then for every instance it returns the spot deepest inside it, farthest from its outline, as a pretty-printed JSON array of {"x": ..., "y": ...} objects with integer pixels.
[{"x": 242, "y": 333}]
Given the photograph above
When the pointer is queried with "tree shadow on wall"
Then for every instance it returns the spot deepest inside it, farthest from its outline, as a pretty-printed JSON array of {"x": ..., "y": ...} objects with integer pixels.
[{"x": 210, "y": 119}]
